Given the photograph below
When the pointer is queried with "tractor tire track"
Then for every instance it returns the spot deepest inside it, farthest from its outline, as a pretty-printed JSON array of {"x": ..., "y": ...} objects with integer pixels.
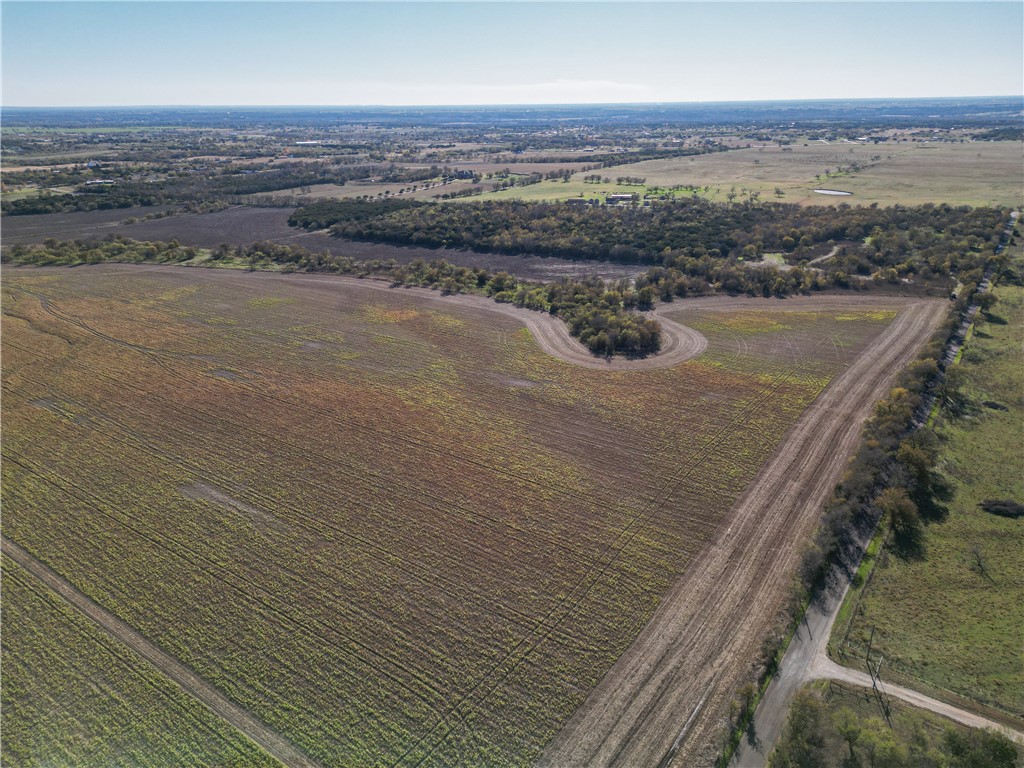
[
  {"x": 682, "y": 669},
  {"x": 189, "y": 681}
]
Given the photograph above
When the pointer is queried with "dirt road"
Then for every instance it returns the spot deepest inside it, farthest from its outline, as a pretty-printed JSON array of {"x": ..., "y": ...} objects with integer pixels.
[
  {"x": 190, "y": 682},
  {"x": 678, "y": 344},
  {"x": 662, "y": 704},
  {"x": 823, "y": 668},
  {"x": 807, "y": 659},
  {"x": 809, "y": 640}
]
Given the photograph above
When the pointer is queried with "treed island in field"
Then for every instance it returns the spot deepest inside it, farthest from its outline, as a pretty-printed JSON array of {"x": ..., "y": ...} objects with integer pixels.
[
  {"x": 380, "y": 522},
  {"x": 385, "y": 524}
]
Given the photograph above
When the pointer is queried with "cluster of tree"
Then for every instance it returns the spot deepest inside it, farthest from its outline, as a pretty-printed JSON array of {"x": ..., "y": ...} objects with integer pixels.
[
  {"x": 48, "y": 203},
  {"x": 517, "y": 180},
  {"x": 606, "y": 159},
  {"x": 825, "y": 737},
  {"x": 1006, "y": 133},
  {"x": 467, "y": 192},
  {"x": 632, "y": 180},
  {"x": 893, "y": 472},
  {"x": 559, "y": 173},
  {"x": 689, "y": 234},
  {"x": 601, "y": 317},
  {"x": 325, "y": 213},
  {"x": 76, "y": 252},
  {"x": 706, "y": 275},
  {"x": 206, "y": 183}
]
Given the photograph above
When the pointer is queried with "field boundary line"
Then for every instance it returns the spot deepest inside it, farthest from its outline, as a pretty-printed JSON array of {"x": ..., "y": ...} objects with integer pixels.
[
  {"x": 189, "y": 681},
  {"x": 719, "y": 609}
]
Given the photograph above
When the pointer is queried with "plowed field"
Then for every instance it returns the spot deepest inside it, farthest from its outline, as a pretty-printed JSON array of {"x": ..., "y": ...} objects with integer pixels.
[{"x": 386, "y": 525}]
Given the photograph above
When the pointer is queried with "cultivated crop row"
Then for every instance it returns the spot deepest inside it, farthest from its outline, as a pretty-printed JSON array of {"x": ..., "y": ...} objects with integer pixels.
[{"x": 396, "y": 532}]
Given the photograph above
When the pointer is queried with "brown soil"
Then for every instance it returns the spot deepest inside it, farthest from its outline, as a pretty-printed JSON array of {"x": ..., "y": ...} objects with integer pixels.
[
  {"x": 664, "y": 700},
  {"x": 679, "y": 343},
  {"x": 245, "y": 225},
  {"x": 665, "y": 697},
  {"x": 190, "y": 682},
  {"x": 17, "y": 230}
]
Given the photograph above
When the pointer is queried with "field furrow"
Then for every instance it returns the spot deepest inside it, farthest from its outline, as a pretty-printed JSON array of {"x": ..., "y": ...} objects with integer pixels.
[{"x": 389, "y": 526}]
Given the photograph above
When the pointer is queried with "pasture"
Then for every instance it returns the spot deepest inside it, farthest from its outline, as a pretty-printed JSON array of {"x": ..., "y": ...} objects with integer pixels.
[
  {"x": 948, "y": 621},
  {"x": 381, "y": 521},
  {"x": 907, "y": 173}
]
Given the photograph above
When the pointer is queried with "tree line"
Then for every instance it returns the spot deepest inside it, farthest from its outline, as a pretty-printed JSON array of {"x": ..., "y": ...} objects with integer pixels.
[
  {"x": 196, "y": 183},
  {"x": 603, "y": 317},
  {"x": 698, "y": 246},
  {"x": 825, "y": 737}
]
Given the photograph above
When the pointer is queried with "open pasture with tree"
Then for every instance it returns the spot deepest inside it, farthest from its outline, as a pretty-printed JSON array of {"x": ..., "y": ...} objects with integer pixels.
[
  {"x": 831, "y": 725},
  {"x": 947, "y": 612},
  {"x": 980, "y": 173},
  {"x": 382, "y": 521}
]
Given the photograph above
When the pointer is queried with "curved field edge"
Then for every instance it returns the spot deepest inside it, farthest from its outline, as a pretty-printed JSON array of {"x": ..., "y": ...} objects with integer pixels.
[
  {"x": 665, "y": 697},
  {"x": 430, "y": 462},
  {"x": 679, "y": 342}
]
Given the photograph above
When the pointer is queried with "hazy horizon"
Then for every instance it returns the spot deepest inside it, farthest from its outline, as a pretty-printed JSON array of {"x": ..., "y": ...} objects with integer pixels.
[
  {"x": 823, "y": 100},
  {"x": 357, "y": 54}
]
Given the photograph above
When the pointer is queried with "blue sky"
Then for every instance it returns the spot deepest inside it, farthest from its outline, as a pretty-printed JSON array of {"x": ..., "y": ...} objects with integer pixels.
[{"x": 149, "y": 53}]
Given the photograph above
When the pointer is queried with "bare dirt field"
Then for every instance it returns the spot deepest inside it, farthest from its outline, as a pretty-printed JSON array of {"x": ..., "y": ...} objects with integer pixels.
[
  {"x": 662, "y": 703},
  {"x": 70, "y": 226},
  {"x": 246, "y": 225},
  {"x": 263, "y": 475}
]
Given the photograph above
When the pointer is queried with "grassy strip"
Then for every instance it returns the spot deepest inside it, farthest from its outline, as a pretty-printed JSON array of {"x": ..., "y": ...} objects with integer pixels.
[
  {"x": 872, "y": 471},
  {"x": 861, "y": 579},
  {"x": 948, "y": 617}
]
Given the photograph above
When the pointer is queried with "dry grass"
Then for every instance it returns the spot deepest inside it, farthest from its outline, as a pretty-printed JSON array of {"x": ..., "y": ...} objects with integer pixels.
[{"x": 908, "y": 173}]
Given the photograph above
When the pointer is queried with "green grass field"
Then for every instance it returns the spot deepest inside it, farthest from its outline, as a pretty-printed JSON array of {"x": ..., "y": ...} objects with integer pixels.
[
  {"x": 908, "y": 173},
  {"x": 952, "y": 619}
]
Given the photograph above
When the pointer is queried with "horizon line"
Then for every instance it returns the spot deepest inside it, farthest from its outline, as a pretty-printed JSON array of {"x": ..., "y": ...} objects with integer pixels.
[{"x": 515, "y": 104}]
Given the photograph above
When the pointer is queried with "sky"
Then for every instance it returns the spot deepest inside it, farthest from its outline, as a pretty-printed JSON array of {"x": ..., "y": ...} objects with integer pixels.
[{"x": 452, "y": 53}]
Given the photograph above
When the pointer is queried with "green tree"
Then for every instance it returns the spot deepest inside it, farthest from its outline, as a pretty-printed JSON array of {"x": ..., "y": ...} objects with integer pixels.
[
  {"x": 904, "y": 519},
  {"x": 980, "y": 749},
  {"x": 804, "y": 742}
]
